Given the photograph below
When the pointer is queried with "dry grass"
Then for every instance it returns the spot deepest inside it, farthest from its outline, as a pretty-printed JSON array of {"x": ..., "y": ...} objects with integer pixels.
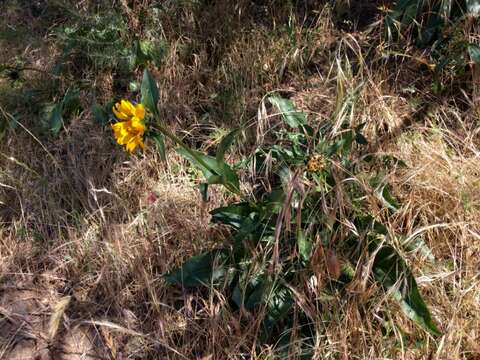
[{"x": 79, "y": 218}]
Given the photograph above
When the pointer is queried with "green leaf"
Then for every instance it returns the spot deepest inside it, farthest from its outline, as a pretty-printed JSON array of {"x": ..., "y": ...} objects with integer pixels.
[
  {"x": 417, "y": 244},
  {"x": 204, "y": 191},
  {"x": 257, "y": 296},
  {"x": 160, "y": 142},
  {"x": 387, "y": 199},
  {"x": 150, "y": 94},
  {"x": 3, "y": 126},
  {"x": 359, "y": 138},
  {"x": 100, "y": 115},
  {"x": 229, "y": 177},
  {"x": 344, "y": 144},
  {"x": 382, "y": 192},
  {"x": 207, "y": 165},
  {"x": 204, "y": 269},
  {"x": 289, "y": 113},
  {"x": 141, "y": 58},
  {"x": 237, "y": 295},
  {"x": 411, "y": 9},
  {"x": 279, "y": 303},
  {"x": 251, "y": 291},
  {"x": 227, "y": 140},
  {"x": 473, "y": 7},
  {"x": 70, "y": 101},
  {"x": 133, "y": 86},
  {"x": 391, "y": 271},
  {"x": 214, "y": 172},
  {"x": 233, "y": 215},
  {"x": 68, "y": 104},
  {"x": 259, "y": 289},
  {"x": 55, "y": 119},
  {"x": 304, "y": 246},
  {"x": 474, "y": 52},
  {"x": 390, "y": 161}
]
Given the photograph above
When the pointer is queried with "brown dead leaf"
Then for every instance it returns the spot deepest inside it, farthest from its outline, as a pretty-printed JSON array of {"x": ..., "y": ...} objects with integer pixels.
[
  {"x": 317, "y": 262},
  {"x": 325, "y": 263},
  {"x": 333, "y": 265},
  {"x": 57, "y": 314},
  {"x": 108, "y": 341}
]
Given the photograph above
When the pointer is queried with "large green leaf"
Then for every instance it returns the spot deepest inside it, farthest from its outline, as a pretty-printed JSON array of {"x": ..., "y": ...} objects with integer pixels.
[
  {"x": 233, "y": 215},
  {"x": 205, "y": 269},
  {"x": 103, "y": 114},
  {"x": 290, "y": 114},
  {"x": 71, "y": 101},
  {"x": 150, "y": 94},
  {"x": 279, "y": 303},
  {"x": 68, "y": 104},
  {"x": 227, "y": 140},
  {"x": 100, "y": 115},
  {"x": 406, "y": 11},
  {"x": 411, "y": 11},
  {"x": 214, "y": 172},
  {"x": 260, "y": 290},
  {"x": 140, "y": 53},
  {"x": 391, "y": 271},
  {"x": 251, "y": 291},
  {"x": 206, "y": 164},
  {"x": 474, "y": 52},
  {"x": 229, "y": 177},
  {"x": 55, "y": 120}
]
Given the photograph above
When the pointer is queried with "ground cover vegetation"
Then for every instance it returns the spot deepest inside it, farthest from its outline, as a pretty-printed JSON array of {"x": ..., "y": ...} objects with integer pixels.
[{"x": 239, "y": 179}]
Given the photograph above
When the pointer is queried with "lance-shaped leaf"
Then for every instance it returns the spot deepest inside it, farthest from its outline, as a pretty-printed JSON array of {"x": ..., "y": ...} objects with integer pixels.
[
  {"x": 290, "y": 114},
  {"x": 204, "y": 269},
  {"x": 214, "y": 172},
  {"x": 393, "y": 274},
  {"x": 227, "y": 140},
  {"x": 150, "y": 95}
]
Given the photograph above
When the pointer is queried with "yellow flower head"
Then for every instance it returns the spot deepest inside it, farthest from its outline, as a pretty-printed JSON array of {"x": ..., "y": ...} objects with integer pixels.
[
  {"x": 316, "y": 163},
  {"x": 130, "y": 130},
  {"x": 125, "y": 110}
]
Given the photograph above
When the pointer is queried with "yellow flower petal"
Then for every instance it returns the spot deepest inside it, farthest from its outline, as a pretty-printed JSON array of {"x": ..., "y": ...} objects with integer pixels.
[
  {"x": 127, "y": 107},
  {"x": 120, "y": 115},
  {"x": 129, "y": 133},
  {"x": 117, "y": 126},
  {"x": 124, "y": 110},
  {"x": 139, "y": 111},
  {"x": 131, "y": 145},
  {"x": 137, "y": 126}
]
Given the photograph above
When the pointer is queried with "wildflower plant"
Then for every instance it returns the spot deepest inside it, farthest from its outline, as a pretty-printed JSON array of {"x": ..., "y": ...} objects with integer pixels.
[
  {"x": 309, "y": 218},
  {"x": 143, "y": 120}
]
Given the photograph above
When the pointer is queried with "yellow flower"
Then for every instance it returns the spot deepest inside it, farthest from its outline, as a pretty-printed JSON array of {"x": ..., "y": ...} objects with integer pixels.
[
  {"x": 129, "y": 133},
  {"x": 129, "y": 130},
  {"x": 316, "y": 163},
  {"x": 125, "y": 110}
]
